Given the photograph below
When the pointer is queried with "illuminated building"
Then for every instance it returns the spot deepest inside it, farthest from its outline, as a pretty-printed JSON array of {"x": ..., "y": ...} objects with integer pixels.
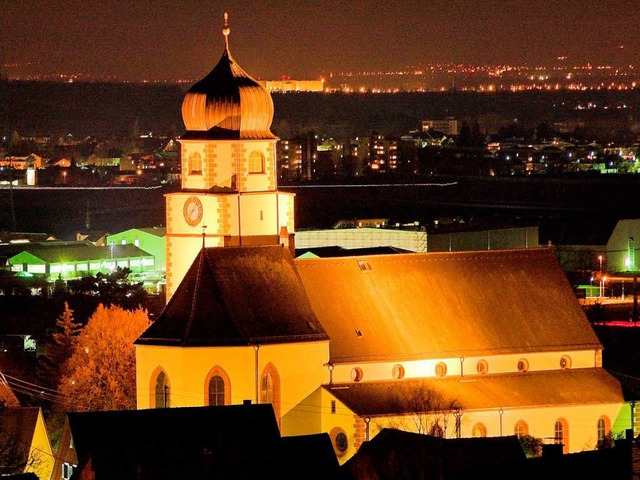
[
  {"x": 229, "y": 194},
  {"x": 285, "y": 86},
  {"x": 459, "y": 344}
]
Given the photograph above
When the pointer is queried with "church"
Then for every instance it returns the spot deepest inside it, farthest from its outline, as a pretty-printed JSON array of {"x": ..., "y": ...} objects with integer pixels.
[{"x": 454, "y": 344}]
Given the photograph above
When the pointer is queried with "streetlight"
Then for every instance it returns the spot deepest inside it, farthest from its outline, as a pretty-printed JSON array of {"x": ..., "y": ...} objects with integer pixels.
[{"x": 601, "y": 282}]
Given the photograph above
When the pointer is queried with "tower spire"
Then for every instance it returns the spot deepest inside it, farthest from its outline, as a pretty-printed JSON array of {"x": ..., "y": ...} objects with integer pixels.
[{"x": 226, "y": 31}]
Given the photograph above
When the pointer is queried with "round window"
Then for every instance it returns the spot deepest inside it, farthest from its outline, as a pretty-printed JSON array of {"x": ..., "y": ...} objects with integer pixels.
[
  {"x": 482, "y": 366},
  {"x": 523, "y": 365},
  {"x": 441, "y": 369},
  {"x": 397, "y": 371},
  {"x": 339, "y": 440},
  {"x": 565, "y": 361},
  {"x": 356, "y": 374}
]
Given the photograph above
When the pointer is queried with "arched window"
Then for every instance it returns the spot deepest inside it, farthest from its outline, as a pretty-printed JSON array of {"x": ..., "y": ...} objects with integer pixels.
[
  {"x": 216, "y": 391},
  {"x": 266, "y": 388},
  {"x": 256, "y": 162},
  {"x": 195, "y": 164},
  {"x": 521, "y": 429},
  {"x": 270, "y": 388},
  {"x": 162, "y": 391},
  {"x": 604, "y": 432},
  {"x": 561, "y": 434},
  {"x": 217, "y": 388},
  {"x": 479, "y": 430}
]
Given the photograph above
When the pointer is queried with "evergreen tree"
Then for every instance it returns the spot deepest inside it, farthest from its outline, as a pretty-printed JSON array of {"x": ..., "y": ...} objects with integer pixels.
[{"x": 53, "y": 364}]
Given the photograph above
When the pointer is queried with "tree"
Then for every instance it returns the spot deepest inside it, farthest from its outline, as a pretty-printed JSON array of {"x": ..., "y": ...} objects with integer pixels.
[
  {"x": 427, "y": 411},
  {"x": 112, "y": 288},
  {"x": 16, "y": 456},
  {"x": 53, "y": 365},
  {"x": 532, "y": 446},
  {"x": 101, "y": 370}
]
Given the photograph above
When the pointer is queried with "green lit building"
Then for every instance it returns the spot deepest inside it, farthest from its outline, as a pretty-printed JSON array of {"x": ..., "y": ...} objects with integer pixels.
[
  {"x": 69, "y": 260},
  {"x": 151, "y": 240}
]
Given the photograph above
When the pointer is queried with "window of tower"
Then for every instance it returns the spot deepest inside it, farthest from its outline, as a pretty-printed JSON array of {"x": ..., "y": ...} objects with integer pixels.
[
  {"x": 256, "y": 162},
  {"x": 194, "y": 166}
]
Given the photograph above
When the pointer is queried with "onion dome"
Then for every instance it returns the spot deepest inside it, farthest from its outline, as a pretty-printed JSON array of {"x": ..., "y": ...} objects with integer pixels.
[{"x": 228, "y": 103}]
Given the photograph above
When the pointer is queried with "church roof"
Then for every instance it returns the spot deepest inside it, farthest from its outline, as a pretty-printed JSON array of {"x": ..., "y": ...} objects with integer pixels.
[
  {"x": 453, "y": 304},
  {"x": 580, "y": 386},
  {"x": 227, "y": 103},
  {"x": 237, "y": 296}
]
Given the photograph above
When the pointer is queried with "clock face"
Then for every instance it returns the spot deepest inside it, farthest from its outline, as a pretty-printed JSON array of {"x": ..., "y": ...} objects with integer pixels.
[{"x": 192, "y": 211}]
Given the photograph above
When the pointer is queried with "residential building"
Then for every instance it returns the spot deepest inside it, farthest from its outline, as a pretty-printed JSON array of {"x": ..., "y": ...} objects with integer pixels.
[
  {"x": 24, "y": 442},
  {"x": 240, "y": 441}
]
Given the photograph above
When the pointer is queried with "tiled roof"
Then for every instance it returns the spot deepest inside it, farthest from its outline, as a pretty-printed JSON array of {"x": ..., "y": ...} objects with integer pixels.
[
  {"x": 515, "y": 390},
  {"x": 237, "y": 296},
  {"x": 432, "y": 305}
]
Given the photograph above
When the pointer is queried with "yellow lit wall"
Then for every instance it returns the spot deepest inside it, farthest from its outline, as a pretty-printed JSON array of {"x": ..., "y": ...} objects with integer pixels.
[
  {"x": 299, "y": 367},
  {"x": 41, "y": 451},
  {"x": 225, "y": 163},
  {"x": 229, "y": 218},
  {"x": 468, "y": 366}
]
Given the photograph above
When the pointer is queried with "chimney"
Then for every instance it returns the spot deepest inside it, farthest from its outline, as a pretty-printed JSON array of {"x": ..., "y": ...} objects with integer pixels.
[{"x": 288, "y": 240}]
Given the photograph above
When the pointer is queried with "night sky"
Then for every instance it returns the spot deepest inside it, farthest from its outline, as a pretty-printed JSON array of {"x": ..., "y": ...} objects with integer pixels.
[{"x": 180, "y": 39}]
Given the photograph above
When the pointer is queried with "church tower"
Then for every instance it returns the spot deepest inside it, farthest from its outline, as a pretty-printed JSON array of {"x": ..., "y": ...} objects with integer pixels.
[{"x": 229, "y": 194}]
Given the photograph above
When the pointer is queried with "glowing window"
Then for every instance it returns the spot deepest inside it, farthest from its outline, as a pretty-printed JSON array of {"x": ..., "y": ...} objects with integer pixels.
[
  {"x": 256, "y": 162},
  {"x": 521, "y": 429},
  {"x": 523, "y": 365},
  {"x": 565, "y": 361},
  {"x": 266, "y": 390},
  {"x": 194, "y": 166},
  {"x": 441, "y": 369},
  {"x": 482, "y": 366},
  {"x": 397, "y": 371},
  {"x": 598, "y": 359},
  {"x": 479, "y": 430},
  {"x": 162, "y": 391},
  {"x": 561, "y": 434},
  {"x": 216, "y": 391},
  {"x": 270, "y": 388},
  {"x": 356, "y": 374},
  {"x": 604, "y": 431}
]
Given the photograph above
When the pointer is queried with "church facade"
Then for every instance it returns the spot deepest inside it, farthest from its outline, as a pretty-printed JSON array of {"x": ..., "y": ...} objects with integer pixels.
[{"x": 456, "y": 344}]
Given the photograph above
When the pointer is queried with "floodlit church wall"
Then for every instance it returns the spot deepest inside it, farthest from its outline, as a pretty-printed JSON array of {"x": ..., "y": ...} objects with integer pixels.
[
  {"x": 187, "y": 370},
  {"x": 298, "y": 365},
  {"x": 581, "y": 423},
  {"x": 320, "y": 411},
  {"x": 467, "y": 366}
]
